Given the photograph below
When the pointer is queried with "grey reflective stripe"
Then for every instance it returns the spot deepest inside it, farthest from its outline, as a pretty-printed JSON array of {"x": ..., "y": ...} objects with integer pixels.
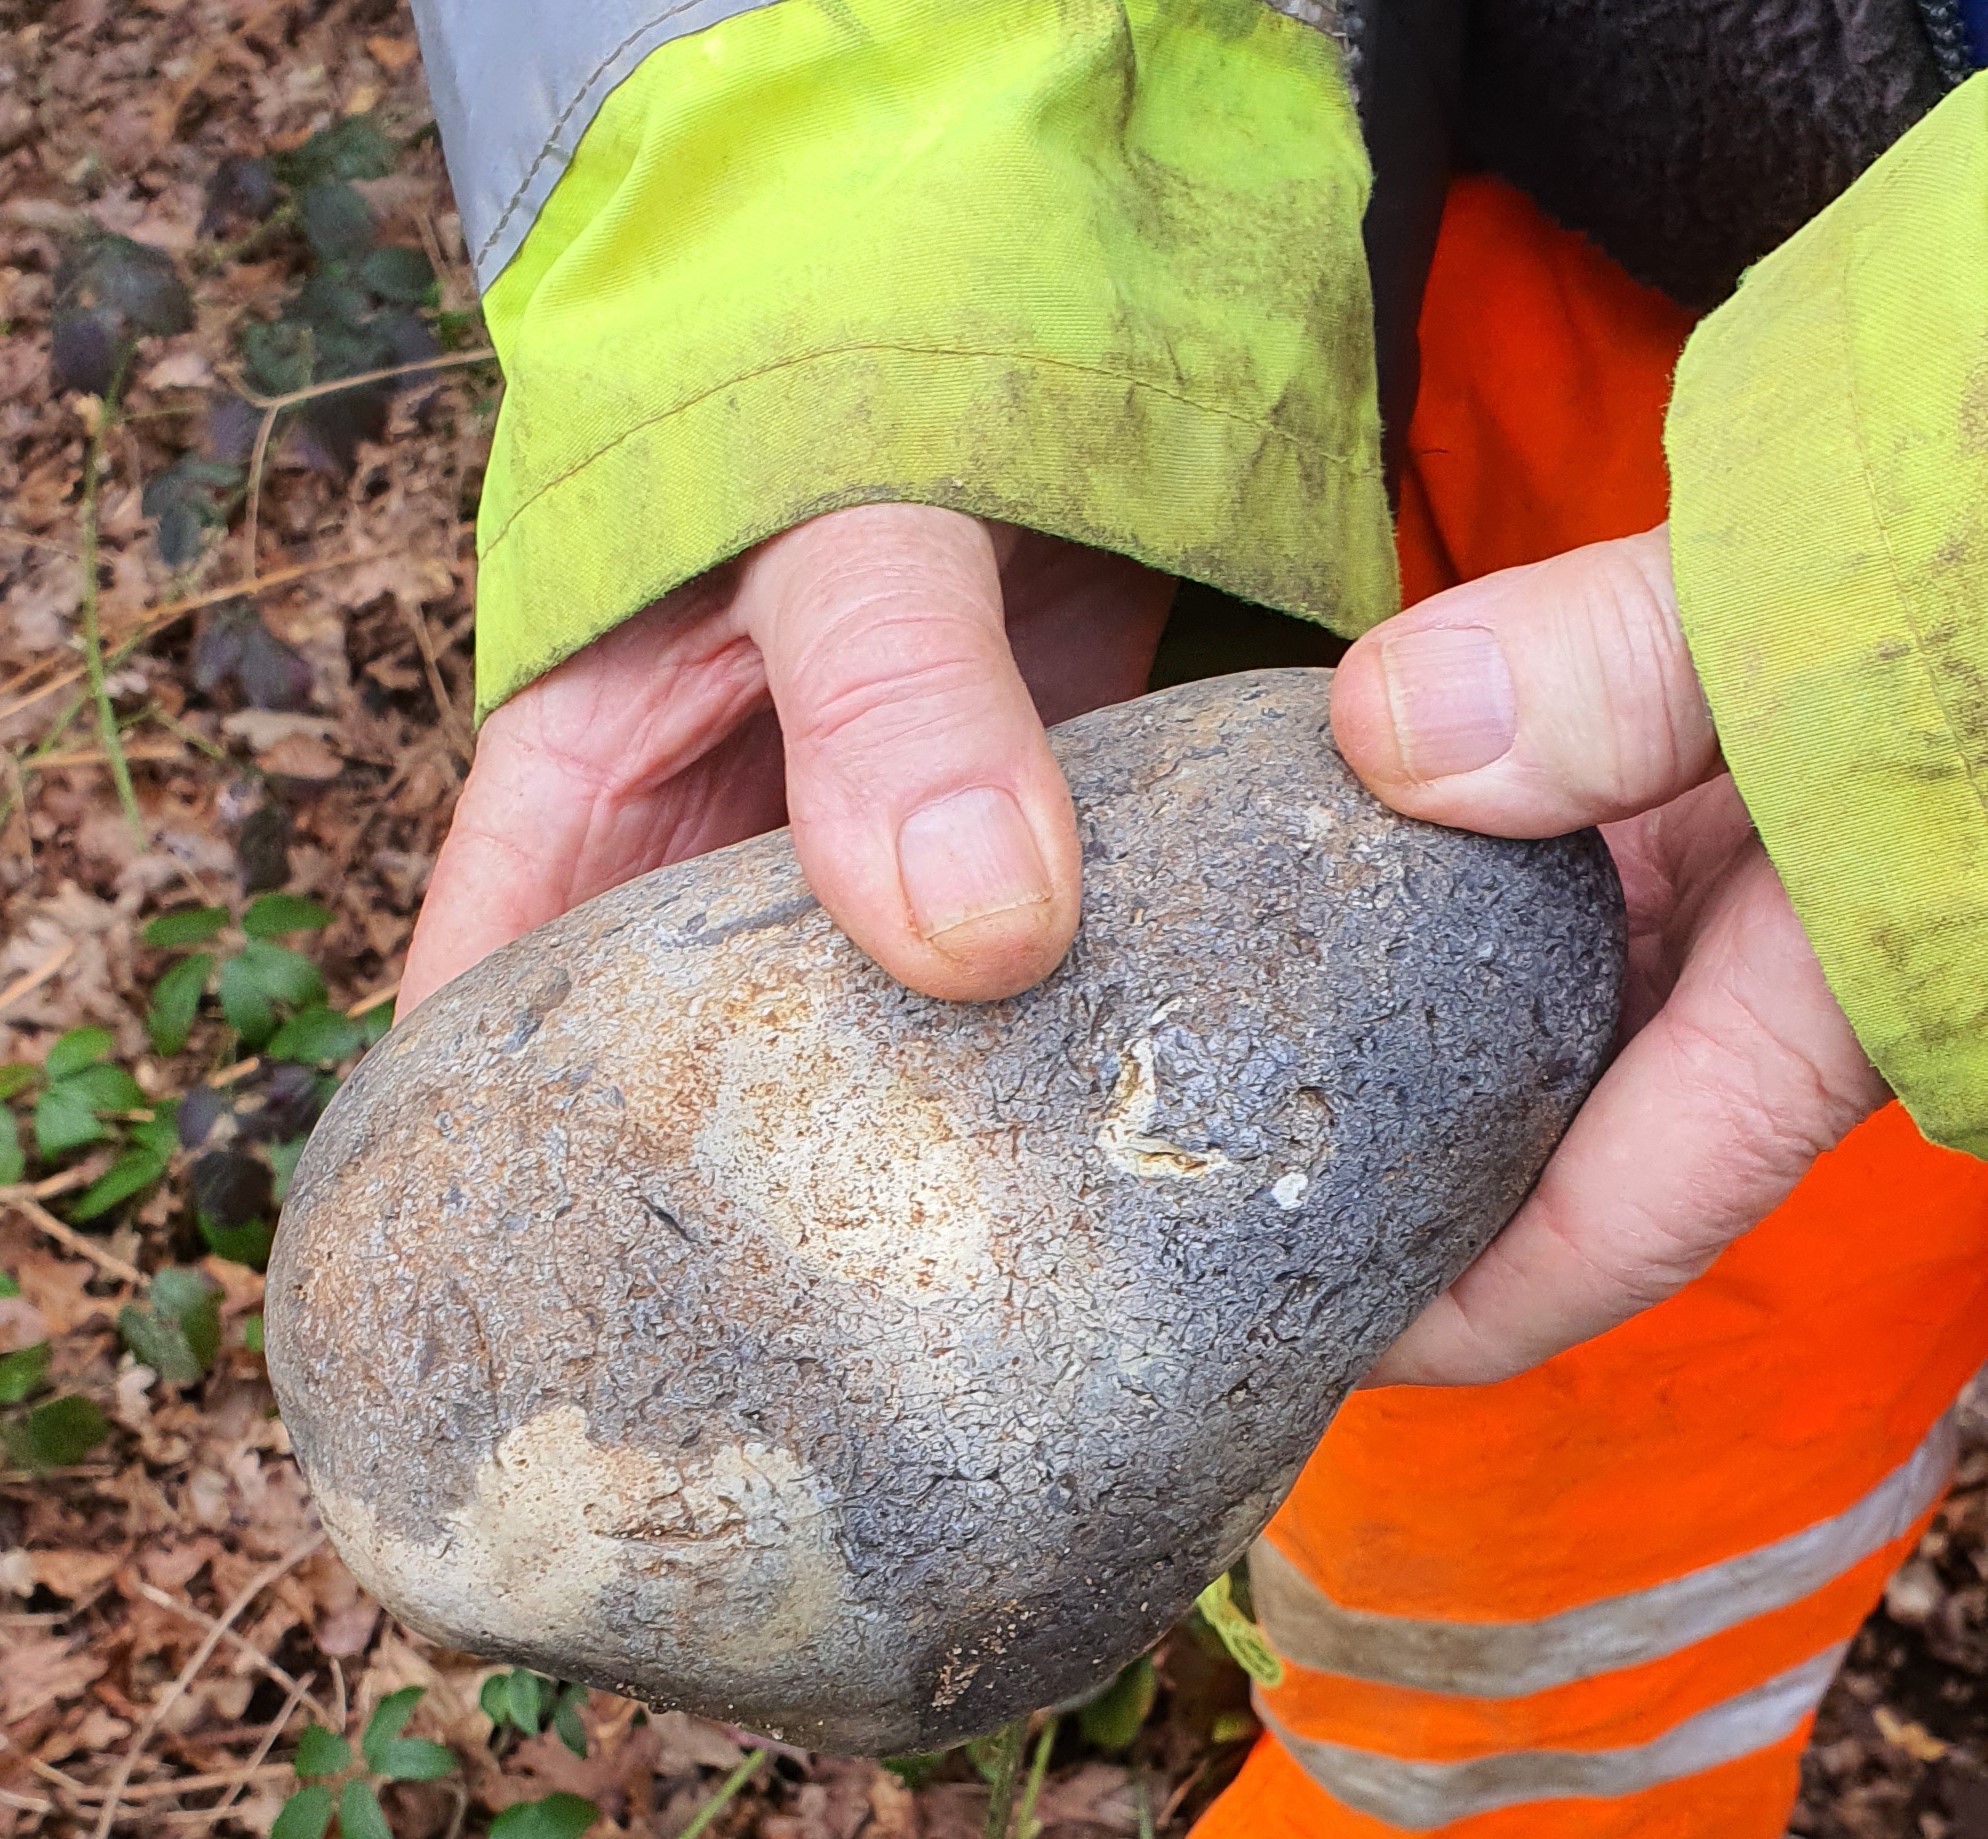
[
  {"x": 1510, "y": 1659},
  {"x": 517, "y": 82},
  {"x": 1419, "y": 1795}
]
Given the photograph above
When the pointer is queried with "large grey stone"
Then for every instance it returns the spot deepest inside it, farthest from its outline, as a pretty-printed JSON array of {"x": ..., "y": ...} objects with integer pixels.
[{"x": 674, "y": 1302}]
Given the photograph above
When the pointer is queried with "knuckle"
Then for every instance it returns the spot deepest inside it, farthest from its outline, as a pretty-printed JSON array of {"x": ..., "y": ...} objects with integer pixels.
[
  {"x": 1654, "y": 733},
  {"x": 887, "y": 695}
]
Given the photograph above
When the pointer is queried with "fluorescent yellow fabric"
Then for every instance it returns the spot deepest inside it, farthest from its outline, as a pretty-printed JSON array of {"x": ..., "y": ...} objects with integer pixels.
[
  {"x": 1829, "y": 456},
  {"x": 1090, "y": 267}
]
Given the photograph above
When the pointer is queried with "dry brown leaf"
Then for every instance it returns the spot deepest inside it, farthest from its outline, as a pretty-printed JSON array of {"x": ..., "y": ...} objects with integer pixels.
[
  {"x": 70, "y": 1574},
  {"x": 391, "y": 54},
  {"x": 298, "y": 756},
  {"x": 1910, "y": 1736},
  {"x": 46, "y": 1670}
]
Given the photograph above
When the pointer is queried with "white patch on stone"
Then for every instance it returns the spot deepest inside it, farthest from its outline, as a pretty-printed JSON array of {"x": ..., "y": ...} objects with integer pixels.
[
  {"x": 1288, "y": 1191},
  {"x": 556, "y": 1519},
  {"x": 1126, "y": 1135}
]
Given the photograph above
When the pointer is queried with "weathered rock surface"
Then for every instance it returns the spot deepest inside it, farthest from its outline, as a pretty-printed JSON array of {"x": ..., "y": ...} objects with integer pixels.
[{"x": 676, "y": 1303}]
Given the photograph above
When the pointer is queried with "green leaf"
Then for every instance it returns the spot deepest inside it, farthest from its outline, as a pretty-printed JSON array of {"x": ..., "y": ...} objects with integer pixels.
[
  {"x": 190, "y": 926},
  {"x": 397, "y": 272},
  {"x": 524, "y": 1705},
  {"x": 566, "y": 1722},
  {"x": 316, "y": 1036},
  {"x": 177, "y": 1332},
  {"x": 321, "y": 1752},
  {"x": 108, "y": 1088},
  {"x": 353, "y": 148},
  {"x": 375, "y": 1022},
  {"x": 176, "y": 1001},
  {"x": 17, "y": 1076},
  {"x": 286, "y": 976},
  {"x": 10, "y": 1285},
  {"x": 160, "y": 1132},
  {"x": 54, "y": 1435},
  {"x": 415, "y": 1759},
  {"x": 245, "y": 1003},
  {"x": 13, "y": 1159},
  {"x": 270, "y": 916},
  {"x": 305, "y": 1815},
  {"x": 252, "y": 1331},
  {"x": 558, "y": 1816},
  {"x": 65, "y": 1120},
  {"x": 135, "y": 1170},
  {"x": 359, "y": 1815},
  {"x": 1119, "y": 1712},
  {"x": 247, "y": 1243},
  {"x": 917, "y": 1768},
  {"x": 490, "y": 1696},
  {"x": 1245, "y": 1641},
  {"x": 73, "y": 1051},
  {"x": 158, "y": 1344},
  {"x": 336, "y": 222},
  {"x": 283, "y": 1160},
  {"x": 389, "y": 1719},
  {"x": 22, "y": 1372}
]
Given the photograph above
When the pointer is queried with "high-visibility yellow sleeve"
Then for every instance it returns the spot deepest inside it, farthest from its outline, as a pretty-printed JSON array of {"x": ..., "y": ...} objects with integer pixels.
[
  {"x": 1829, "y": 455},
  {"x": 1089, "y": 266}
]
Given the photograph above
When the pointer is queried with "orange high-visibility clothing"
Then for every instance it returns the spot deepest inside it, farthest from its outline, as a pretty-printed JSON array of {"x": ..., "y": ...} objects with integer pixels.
[{"x": 1602, "y": 1600}]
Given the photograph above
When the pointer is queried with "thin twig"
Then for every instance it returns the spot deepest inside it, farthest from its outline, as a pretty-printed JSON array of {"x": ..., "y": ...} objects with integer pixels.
[
  {"x": 240, "y": 1643},
  {"x": 166, "y": 1700},
  {"x": 31, "y": 980},
  {"x": 22, "y": 1200},
  {"x": 727, "y": 1789},
  {"x": 11, "y": 535},
  {"x": 372, "y": 1000},
  {"x": 148, "y": 624},
  {"x": 450, "y": 716},
  {"x": 93, "y": 639},
  {"x": 273, "y": 406},
  {"x": 95, "y": 756},
  {"x": 169, "y": 1785},
  {"x": 268, "y": 1743},
  {"x": 1009, "y": 1742},
  {"x": 27, "y": 1803}
]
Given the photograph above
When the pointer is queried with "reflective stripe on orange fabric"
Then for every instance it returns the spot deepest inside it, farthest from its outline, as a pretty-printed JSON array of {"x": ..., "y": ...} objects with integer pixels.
[
  {"x": 1511, "y": 1659},
  {"x": 1632, "y": 1706},
  {"x": 1274, "y": 1799},
  {"x": 1421, "y": 1796},
  {"x": 1775, "y": 1393},
  {"x": 1776, "y": 1390}
]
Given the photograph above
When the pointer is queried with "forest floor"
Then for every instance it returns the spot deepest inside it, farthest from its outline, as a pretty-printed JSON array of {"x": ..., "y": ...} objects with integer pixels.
[{"x": 258, "y": 617}]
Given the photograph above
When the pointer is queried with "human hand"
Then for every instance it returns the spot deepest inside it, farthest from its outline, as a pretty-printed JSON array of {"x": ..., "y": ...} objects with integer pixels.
[
  {"x": 1529, "y": 704},
  {"x": 880, "y": 677}
]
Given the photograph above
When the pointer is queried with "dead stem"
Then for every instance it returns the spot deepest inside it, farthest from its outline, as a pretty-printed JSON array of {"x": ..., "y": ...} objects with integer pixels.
[
  {"x": 200, "y": 1656},
  {"x": 93, "y": 642},
  {"x": 273, "y": 406}
]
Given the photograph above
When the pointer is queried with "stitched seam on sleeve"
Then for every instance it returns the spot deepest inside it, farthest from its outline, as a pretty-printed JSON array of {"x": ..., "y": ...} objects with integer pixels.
[
  {"x": 566, "y": 114},
  {"x": 1343, "y": 461}
]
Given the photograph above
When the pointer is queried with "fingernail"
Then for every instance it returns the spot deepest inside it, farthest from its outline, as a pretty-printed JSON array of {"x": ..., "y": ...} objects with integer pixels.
[
  {"x": 1450, "y": 693},
  {"x": 966, "y": 858}
]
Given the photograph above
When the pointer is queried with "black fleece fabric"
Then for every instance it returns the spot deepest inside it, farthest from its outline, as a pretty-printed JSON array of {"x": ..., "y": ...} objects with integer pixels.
[{"x": 1689, "y": 137}]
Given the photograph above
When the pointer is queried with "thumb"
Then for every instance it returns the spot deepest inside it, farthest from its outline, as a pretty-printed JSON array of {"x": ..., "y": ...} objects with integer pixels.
[
  {"x": 1534, "y": 701},
  {"x": 930, "y": 817}
]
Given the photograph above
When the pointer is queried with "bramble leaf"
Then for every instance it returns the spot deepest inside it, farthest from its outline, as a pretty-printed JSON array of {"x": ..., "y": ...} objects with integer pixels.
[{"x": 191, "y": 926}]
